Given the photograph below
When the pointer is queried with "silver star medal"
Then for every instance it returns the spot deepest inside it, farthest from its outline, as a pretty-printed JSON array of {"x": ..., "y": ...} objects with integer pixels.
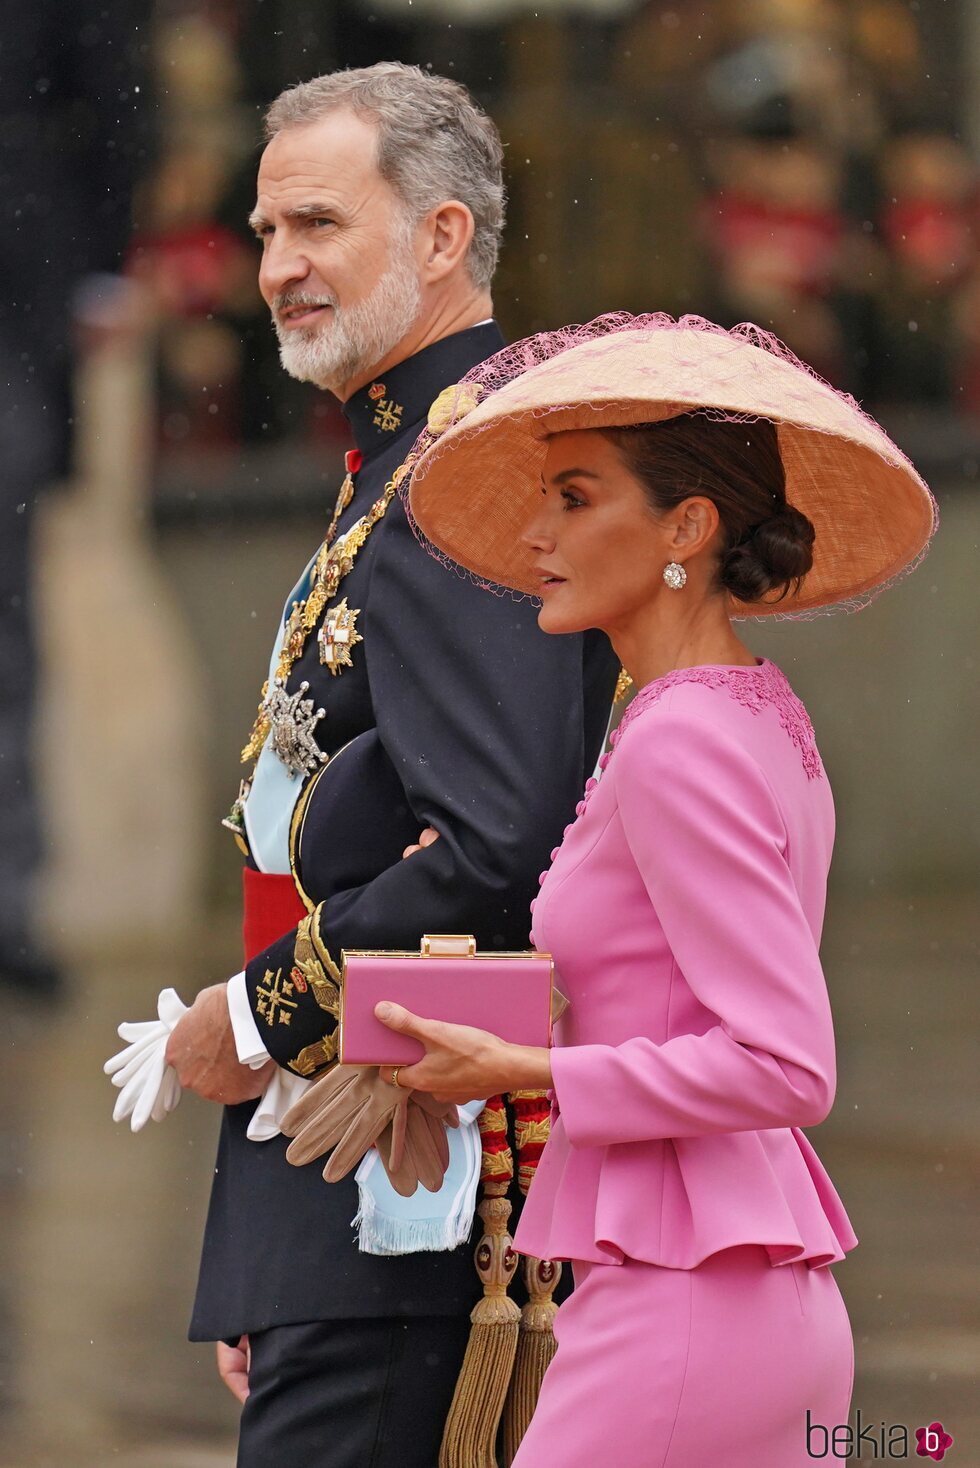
[{"x": 293, "y": 720}]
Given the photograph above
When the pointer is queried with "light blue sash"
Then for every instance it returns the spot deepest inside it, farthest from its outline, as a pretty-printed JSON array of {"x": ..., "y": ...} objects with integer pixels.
[
  {"x": 387, "y": 1223},
  {"x": 274, "y": 793}
]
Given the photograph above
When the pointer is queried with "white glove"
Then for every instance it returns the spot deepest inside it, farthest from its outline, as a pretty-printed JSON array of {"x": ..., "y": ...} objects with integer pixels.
[
  {"x": 148, "y": 1086},
  {"x": 149, "y": 1089}
]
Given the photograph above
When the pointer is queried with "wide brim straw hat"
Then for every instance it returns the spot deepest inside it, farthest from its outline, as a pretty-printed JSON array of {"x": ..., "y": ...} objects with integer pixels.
[{"x": 477, "y": 479}]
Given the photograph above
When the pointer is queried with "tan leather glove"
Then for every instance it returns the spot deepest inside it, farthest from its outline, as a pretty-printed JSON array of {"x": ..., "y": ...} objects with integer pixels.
[
  {"x": 424, "y": 1150},
  {"x": 349, "y": 1108}
]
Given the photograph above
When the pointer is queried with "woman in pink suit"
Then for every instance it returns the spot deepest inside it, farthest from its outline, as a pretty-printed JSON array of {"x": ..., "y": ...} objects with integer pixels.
[{"x": 653, "y": 479}]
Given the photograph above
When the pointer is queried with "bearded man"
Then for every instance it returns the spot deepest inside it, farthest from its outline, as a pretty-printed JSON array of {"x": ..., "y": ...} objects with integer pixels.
[{"x": 399, "y": 697}]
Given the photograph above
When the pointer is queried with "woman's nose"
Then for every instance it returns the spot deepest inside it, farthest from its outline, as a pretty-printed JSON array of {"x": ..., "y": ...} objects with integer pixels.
[{"x": 537, "y": 532}]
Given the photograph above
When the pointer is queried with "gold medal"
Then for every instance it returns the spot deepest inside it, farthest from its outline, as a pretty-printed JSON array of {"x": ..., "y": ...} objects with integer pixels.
[{"x": 338, "y": 636}]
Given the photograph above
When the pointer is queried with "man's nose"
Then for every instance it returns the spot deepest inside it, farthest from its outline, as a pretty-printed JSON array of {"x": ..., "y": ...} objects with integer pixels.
[{"x": 283, "y": 264}]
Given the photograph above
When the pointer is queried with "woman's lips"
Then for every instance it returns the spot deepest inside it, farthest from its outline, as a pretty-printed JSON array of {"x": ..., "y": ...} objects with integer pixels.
[{"x": 550, "y": 583}]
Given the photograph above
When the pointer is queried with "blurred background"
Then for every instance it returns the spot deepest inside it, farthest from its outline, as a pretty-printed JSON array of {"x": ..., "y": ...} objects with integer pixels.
[{"x": 808, "y": 164}]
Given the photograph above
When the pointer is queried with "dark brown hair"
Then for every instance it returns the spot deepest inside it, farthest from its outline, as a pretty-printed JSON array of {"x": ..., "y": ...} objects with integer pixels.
[{"x": 767, "y": 545}]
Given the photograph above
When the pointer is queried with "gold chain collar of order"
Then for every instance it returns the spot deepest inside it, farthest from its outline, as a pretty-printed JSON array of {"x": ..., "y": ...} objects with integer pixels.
[{"x": 333, "y": 562}]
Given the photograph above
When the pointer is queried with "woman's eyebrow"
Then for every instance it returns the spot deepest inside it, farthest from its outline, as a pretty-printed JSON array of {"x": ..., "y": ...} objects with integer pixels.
[{"x": 567, "y": 474}]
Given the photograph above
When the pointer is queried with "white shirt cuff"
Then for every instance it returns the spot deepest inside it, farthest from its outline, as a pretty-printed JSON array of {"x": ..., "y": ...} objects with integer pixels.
[{"x": 248, "y": 1041}]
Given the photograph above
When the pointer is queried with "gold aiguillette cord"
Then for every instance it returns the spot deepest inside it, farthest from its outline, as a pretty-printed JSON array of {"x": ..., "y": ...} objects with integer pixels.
[{"x": 333, "y": 563}]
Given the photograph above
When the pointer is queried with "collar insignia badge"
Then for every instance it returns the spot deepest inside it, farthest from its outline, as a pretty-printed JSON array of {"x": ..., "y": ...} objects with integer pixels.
[
  {"x": 293, "y": 719},
  {"x": 387, "y": 413},
  {"x": 338, "y": 636}
]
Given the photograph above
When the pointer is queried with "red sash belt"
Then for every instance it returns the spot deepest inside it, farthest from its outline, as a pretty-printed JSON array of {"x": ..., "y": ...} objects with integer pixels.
[{"x": 271, "y": 908}]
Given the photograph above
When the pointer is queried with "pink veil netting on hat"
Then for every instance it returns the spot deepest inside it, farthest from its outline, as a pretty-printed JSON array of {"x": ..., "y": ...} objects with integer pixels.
[{"x": 521, "y": 356}]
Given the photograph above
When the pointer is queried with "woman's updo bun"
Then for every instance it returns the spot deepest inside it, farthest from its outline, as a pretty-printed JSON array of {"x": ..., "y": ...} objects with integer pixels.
[
  {"x": 767, "y": 545},
  {"x": 775, "y": 555}
]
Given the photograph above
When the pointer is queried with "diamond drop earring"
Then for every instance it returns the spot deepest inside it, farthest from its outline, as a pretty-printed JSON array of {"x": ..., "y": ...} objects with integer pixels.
[{"x": 674, "y": 575}]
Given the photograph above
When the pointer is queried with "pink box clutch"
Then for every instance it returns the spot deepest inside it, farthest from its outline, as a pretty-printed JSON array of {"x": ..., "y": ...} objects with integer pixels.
[{"x": 506, "y": 993}]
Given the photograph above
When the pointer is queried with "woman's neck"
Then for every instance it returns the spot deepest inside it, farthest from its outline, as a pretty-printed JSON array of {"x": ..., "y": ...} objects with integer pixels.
[{"x": 664, "y": 636}]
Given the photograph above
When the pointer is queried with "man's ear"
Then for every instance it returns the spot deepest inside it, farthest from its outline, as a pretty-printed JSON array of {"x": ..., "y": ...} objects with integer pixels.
[{"x": 446, "y": 234}]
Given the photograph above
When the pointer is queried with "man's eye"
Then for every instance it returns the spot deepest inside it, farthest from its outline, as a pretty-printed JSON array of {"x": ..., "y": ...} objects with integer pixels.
[
  {"x": 572, "y": 500},
  {"x": 316, "y": 222}
]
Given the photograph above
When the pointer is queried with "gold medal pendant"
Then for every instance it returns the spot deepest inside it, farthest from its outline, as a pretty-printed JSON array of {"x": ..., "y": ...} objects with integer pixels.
[
  {"x": 623, "y": 685},
  {"x": 337, "y": 637}
]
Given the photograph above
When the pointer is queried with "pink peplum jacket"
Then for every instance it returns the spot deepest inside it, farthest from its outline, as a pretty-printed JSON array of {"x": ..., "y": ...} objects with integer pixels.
[{"x": 684, "y": 910}]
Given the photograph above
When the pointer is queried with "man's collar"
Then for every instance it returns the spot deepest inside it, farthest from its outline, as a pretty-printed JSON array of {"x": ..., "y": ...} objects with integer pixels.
[{"x": 401, "y": 397}]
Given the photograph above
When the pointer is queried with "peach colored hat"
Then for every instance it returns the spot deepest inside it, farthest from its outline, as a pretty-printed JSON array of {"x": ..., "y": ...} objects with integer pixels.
[{"x": 476, "y": 481}]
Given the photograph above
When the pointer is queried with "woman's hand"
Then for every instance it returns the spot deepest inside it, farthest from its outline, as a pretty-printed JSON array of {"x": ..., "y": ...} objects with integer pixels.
[
  {"x": 427, "y": 837},
  {"x": 462, "y": 1063}
]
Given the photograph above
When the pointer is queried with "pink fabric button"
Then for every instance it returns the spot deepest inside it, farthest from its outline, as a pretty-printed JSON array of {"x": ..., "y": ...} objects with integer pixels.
[
  {"x": 580, "y": 808},
  {"x": 604, "y": 761},
  {"x": 555, "y": 852},
  {"x": 590, "y": 785},
  {"x": 569, "y": 827},
  {"x": 541, "y": 878}
]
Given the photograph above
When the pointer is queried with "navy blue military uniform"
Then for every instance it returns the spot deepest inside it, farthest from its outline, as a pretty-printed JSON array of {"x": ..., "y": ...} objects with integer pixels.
[{"x": 456, "y": 711}]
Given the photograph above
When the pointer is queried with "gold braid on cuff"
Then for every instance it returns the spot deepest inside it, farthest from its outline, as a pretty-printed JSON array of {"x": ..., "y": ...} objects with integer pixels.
[{"x": 314, "y": 970}]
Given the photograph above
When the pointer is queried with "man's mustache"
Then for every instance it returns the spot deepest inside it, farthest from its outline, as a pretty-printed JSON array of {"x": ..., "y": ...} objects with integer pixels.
[{"x": 289, "y": 299}]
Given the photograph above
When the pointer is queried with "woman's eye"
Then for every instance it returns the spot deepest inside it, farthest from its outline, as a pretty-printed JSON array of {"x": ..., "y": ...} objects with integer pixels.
[{"x": 571, "y": 499}]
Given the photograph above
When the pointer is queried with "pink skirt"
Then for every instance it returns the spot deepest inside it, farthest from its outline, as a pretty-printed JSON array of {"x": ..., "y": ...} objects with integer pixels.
[{"x": 685, "y": 1368}]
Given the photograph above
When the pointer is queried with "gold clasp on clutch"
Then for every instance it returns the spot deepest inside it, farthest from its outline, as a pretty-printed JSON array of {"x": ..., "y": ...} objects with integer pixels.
[{"x": 448, "y": 945}]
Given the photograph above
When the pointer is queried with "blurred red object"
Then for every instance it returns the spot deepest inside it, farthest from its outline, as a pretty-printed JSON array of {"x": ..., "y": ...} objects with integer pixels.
[
  {"x": 936, "y": 243},
  {"x": 190, "y": 269},
  {"x": 791, "y": 249},
  {"x": 930, "y": 223}
]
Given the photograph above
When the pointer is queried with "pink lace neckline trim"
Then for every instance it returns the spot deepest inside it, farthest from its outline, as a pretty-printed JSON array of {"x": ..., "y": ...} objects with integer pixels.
[{"x": 754, "y": 688}]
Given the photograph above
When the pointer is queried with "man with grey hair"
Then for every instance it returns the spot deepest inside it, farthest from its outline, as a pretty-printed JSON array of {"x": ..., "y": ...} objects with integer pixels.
[
  {"x": 434, "y": 147},
  {"x": 431, "y": 705}
]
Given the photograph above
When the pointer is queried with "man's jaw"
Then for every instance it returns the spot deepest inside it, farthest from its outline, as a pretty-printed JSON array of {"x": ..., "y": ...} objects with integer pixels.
[
  {"x": 335, "y": 347},
  {"x": 305, "y": 324}
]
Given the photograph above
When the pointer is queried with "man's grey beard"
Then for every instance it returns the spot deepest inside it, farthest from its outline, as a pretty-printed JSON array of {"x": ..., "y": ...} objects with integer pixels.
[{"x": 353, "y": 339}]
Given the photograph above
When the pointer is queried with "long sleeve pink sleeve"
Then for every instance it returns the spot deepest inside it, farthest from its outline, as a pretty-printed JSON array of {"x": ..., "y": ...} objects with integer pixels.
[{"x": 707, "y": 836}]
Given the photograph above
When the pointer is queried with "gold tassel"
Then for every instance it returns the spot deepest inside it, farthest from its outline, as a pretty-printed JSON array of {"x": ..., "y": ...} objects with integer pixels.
[
  {"x": 470, "y": 1435},
  {"x": 536, "y": 1346}
]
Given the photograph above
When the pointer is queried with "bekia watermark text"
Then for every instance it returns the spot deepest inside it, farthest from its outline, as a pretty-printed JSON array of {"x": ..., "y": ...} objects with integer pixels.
[{"x": 875, "y": 1440}]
